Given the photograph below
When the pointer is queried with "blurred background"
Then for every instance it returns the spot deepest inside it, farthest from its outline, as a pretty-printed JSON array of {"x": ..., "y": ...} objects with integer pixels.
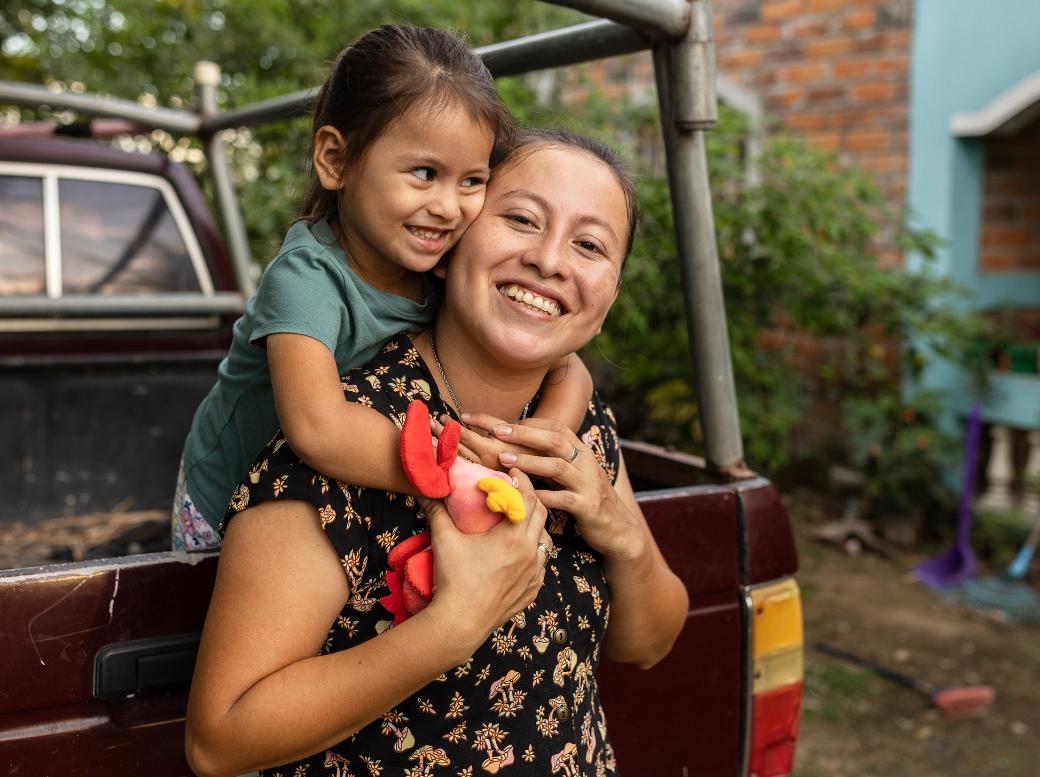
[{"x": 876, "y": 179}]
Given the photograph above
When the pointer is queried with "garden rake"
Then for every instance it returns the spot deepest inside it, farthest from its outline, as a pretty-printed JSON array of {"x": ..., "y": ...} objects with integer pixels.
[{"x": 1008, "y": 593}]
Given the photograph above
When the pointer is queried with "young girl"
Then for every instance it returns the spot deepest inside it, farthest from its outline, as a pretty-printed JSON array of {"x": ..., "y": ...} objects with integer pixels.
[{"x": 404, "y": 132}]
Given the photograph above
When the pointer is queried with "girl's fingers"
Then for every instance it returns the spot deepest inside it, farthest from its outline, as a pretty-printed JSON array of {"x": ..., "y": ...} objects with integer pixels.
[
  {"x": 481, "y": 421},
  {"x": 466, "y": 453}
]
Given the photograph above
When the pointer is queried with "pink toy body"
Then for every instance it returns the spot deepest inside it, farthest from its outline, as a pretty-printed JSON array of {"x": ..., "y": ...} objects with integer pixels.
[{"x": 410, "y": 576}]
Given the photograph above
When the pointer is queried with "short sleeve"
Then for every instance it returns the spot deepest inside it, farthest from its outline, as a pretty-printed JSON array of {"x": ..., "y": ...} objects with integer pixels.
[
  {"x": 278, "y": 474},
  {"x": 298, "y": 295}
]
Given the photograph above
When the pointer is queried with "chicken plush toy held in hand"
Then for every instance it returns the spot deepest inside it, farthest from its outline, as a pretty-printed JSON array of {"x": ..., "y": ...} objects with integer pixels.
[{"x": 477, "y": 498}]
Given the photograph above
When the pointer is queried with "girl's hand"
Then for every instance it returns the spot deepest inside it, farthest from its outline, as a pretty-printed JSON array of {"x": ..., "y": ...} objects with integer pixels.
[
  {"x": 481, "y": 448},
  {"x": 585, "y": 492},
  {"x": 482, "y": 580}
]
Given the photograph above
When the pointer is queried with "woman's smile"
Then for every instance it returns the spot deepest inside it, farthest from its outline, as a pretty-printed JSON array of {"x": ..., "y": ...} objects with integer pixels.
[{"x": 531, "y": 300}]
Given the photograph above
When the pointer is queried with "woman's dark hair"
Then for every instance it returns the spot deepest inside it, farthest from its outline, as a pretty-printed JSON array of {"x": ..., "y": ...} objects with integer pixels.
[
  {"x": 386, "y": 73},
  {"x": 528, "y": 140}
]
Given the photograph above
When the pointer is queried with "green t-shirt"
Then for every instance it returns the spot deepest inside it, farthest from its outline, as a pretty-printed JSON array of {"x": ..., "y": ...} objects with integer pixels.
[{"x": 309, "y": 289}]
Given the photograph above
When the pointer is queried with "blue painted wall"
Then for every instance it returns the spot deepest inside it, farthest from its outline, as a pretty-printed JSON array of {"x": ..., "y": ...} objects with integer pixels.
[{"x": 965, "y": 53}]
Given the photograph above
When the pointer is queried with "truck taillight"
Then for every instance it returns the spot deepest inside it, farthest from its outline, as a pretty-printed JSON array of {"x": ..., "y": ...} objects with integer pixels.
[{"x": 777, "y": 655}]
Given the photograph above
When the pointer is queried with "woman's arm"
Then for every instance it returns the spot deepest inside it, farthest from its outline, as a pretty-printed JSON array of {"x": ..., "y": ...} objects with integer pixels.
[
  {"x": 565, "y": 392},
  {"x": 649, "y": 602},
  {"x": 322, "y": 427},
  {"x": 262, "y": 696}
]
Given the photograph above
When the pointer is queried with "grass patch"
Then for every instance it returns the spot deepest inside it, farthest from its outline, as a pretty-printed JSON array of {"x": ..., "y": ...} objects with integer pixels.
[{"x": 832, "y": 689}]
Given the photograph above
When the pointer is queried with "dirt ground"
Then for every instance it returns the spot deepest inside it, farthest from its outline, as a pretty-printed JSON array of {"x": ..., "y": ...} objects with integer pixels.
[{"x": 857, "y": 725}]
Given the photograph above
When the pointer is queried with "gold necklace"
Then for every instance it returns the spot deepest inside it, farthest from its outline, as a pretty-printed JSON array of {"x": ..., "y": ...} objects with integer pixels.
[{"x": 447, "y": 383}]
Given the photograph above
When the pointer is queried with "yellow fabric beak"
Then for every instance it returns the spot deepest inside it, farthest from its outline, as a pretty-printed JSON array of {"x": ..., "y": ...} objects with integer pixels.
[{"x": 503, "y": 498}]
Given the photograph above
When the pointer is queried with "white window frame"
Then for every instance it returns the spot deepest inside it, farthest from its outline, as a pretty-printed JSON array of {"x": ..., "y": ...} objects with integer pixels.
[{"x": 51, "y": 175}]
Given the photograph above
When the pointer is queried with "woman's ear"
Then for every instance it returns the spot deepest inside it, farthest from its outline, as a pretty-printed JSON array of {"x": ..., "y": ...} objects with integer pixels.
[{"x": 330, "y": 149}]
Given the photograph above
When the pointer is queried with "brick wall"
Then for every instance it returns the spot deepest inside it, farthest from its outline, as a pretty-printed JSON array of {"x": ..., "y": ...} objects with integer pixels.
[
  {"x": 833, "y": 71},
  {"x": 1009, "y": 239}
]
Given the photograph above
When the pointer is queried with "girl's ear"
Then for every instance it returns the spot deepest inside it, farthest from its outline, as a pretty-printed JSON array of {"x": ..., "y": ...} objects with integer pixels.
[{"x": 330, "y": 149}]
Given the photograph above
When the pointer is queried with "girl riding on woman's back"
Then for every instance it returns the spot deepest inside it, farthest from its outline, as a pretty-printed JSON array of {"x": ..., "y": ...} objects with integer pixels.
[{"x": 405, "y": 133}]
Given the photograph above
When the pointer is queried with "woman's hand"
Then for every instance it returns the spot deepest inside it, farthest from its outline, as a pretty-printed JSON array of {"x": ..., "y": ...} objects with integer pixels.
[
  {"x": 605, "y": 521},
  {"x": 482, "y": 580}
]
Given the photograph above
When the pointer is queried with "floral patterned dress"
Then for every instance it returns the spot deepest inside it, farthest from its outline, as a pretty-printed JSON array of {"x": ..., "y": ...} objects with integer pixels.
[{"x": 526, "y": 703}]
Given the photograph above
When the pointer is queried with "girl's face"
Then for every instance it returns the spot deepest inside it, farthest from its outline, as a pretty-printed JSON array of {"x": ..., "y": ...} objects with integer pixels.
[
  {"x": 536, "y": 274},
  {"x": 414, "y": 191}
]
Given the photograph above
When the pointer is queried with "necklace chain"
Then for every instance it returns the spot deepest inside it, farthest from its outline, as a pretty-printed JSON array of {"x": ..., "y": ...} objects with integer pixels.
[{"x": 447, "y": 383}]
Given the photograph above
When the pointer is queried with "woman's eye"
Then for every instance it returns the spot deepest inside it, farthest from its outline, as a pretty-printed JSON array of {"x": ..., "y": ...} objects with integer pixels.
[
  {"x": 520, "y": 219},
  {"x": 588, "y": 245},
  {"x": 423, "y": 173}
]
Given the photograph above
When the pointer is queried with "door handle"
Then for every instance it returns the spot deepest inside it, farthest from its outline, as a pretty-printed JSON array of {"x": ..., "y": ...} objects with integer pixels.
[{"x": 145, "y": 666}]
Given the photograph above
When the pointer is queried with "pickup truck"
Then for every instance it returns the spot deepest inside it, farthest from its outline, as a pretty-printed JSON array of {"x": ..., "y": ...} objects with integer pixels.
[{"x": 105, "y": 364}]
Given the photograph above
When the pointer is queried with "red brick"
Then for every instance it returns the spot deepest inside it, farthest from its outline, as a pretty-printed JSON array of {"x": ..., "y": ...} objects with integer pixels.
[
  {"x": 878, "y": 91},
  {"x": 1007, "y": 236},
  {"x": 788, "y": 97},
  {"x": 892, "y": 64},
  {"x": 894, "y": 163},
  {"x": 826, "y": 94},
  {"x": 853, "y": 68},
  {"x": 811, "y": 29},
  {"x": 827, "y": 5},
  {"x": 828, "y": 141},
  {"x": 781, "y": 9},
  {"x": 864, "y": 140},
  {"x": 739, "y": 60},
  {"x": 857, "y": 20},
  {"x": 762, "y": 33},
  {"x": 813, "y": 72},
  {"x": 846, "y": 118},
  {"x": 828, "y": 49},
  {"x": 806, "y": 121},
  {"x": 994, "y": 262}
]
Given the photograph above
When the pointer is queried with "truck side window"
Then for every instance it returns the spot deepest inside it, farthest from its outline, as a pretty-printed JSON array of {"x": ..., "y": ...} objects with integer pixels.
[
  {"x": 119, "y": 238},
  {"x": 21, "y": 236}
]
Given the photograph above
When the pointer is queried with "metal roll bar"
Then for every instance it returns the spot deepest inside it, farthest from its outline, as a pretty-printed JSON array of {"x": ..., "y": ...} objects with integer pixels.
[{"x": 680, "y": 34}]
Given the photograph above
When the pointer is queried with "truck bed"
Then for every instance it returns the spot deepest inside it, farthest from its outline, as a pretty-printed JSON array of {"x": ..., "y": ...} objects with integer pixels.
[{"x": 61, "y": 709}]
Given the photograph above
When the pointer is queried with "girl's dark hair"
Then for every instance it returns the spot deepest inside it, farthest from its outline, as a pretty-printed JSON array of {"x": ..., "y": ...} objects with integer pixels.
[
  {"x": 388, "y": 72},
  {"x": 528, "y": 140}
]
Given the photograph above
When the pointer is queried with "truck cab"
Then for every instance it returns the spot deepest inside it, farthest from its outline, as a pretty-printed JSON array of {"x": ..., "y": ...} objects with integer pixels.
[
  {"x": 116, "y": 304},
  {"x": 99, "y": 652}
]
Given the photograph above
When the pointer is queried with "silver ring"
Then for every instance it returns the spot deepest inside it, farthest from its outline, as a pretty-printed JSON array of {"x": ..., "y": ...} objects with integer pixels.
[
  {"x": 574, "y": 454},
  {"x": 545, "y": 549}
]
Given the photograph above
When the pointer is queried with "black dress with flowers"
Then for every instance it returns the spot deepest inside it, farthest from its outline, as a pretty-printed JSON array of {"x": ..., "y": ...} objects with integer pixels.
[{"x": 526, "y": 703}]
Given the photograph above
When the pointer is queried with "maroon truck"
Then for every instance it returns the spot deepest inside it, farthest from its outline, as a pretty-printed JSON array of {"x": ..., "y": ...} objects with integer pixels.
[{"x": 116, "y": 299}]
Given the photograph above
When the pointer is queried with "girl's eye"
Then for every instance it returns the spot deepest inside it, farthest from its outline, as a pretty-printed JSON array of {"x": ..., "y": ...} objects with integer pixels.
[
  {"x": 423, "y": 173},
  {"x": 472, "y": 182}
]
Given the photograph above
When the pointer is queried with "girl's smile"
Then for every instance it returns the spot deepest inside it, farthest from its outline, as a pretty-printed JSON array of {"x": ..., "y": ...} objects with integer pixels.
[{"x": 412, "y": 194}]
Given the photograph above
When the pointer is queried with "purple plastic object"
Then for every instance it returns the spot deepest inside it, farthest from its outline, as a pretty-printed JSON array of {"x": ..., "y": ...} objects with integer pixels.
[{"x": 958, "y": 563}]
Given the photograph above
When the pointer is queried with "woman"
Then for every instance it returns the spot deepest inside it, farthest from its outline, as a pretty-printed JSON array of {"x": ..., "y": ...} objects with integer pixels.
[{"x": 297, "y": 666}]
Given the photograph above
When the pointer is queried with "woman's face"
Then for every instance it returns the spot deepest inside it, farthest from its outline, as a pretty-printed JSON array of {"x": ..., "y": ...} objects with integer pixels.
[{"x": 535, "y": 275}]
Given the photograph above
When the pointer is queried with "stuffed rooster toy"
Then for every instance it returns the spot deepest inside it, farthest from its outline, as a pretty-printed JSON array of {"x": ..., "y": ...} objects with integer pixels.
[{"x": 477, "y": 498}]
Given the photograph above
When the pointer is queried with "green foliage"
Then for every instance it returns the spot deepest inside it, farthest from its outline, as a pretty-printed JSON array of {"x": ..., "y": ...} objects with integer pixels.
[
  {"x": 146, "y": 49},
  {"x": 798, "y": 242}
]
